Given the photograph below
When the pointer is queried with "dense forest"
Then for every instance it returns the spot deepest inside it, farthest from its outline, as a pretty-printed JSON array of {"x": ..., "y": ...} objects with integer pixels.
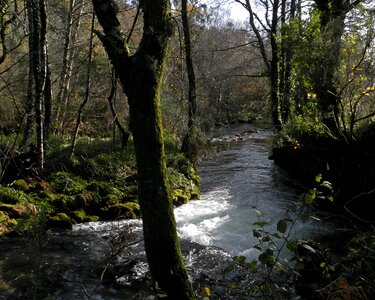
[{"x": 108, "y": 106}]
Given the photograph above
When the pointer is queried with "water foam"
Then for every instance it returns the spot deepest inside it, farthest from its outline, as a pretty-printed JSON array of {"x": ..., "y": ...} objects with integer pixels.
[{"x": 199, "y": 220}]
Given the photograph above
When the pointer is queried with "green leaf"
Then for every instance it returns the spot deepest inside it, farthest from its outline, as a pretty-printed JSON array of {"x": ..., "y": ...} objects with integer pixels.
[
  {"x": 281, "y": 270},
  {"x": 310, "y": 196},
  {"x": 267, "y": 257},
  {"x": 318, "y": 178},
  {"x": 282, "y": 226},
  {"x": 292, "y": 246},
  {"x": 327, "y": 185},
  {"x": 266, "y": 239},
  {"x": 253, "y": 266},
  {"x": 260, "y": 223},
  {"x": 304, "y": 217},
  {"x": 240, "y": 259},
  {"x": 293, "y": 207},
  {"x": 299, "y": 266},
  {"x": 330, "y": 198},
  {"x": 257, "y": 233},
  {"x": 205, "y": 292}
]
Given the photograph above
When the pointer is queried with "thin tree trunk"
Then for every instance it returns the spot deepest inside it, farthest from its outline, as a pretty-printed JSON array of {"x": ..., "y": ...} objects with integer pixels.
[
  {"x": 40, "y": 85},
  {"x": 189, "y": 141},
  {"x": 271, "y": 65},
  {"x": 274, "y": 68},
  {"x": 87, "y": 93},
  {"x": 140, "y": 76},
  {"x": 124, "y": 132},
  {"x": 62, "y": 98}
]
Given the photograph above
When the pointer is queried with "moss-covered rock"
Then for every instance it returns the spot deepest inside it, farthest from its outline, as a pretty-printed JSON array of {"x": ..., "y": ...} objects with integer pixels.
[
  {"x": 180, "y": 197},
  {"x": 61, "y": 221},
  {"x": 16, "y": 211},
  {"x": 79, "y": 216},
  {"x": 129, "y": 210},
  {"x": 64, "y": 182},
  {"x": 7, "y": 224},
  {"x": 182, "y": 188}
]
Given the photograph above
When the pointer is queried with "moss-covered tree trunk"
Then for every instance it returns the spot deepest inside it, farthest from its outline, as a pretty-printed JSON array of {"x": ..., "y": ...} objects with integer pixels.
[{"x": 140, "y": 75}]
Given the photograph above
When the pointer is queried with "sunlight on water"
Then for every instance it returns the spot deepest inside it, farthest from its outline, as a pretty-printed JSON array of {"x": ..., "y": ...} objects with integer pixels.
[{"x": 199, "y": 220}]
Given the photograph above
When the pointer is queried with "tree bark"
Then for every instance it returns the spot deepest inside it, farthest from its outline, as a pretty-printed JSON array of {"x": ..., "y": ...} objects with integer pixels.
[
  {"x": 62, "y": 98},
  {"x": 124, "y": 132},
  {"x": 189, "y": 141},
  {"x": 4, "y": 24},
  {"x": 37, "y": 77},
  {"x": 140, "y": 75}
]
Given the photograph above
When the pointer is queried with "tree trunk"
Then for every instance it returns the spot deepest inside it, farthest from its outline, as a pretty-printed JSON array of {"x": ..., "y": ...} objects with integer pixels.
[
  {"x": 286, "y": 57},
  {"x": 272, "y": 65},
  {"x": 140, "y": 76},
  {"x": 37, "y": 77},
  {"x": 124, "y": 132},
  {"x": 87, "y": 93},
  {"x": 62, "y": 98},
  {"x": 189, "y": 141},
  {"x": 274, "y": 68},
  {"x": 332, "y": 16}
]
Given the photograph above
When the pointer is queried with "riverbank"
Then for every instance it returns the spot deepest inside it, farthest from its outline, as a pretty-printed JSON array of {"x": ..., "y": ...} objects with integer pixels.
[
  {"x": 350, "y": 169},
  {"x": 97, "y": 184}
]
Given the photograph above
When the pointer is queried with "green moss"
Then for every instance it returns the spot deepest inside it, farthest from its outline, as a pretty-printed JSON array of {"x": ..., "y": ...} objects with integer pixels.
[
  {"x": 111, "y": 199},
  {"x": 79, "y": 215},
  {"x": 4, "y": 286},
  {"x": 12, "y": 196},
  {"x": 67, "y": 183},
  {"x": 3, "y": 217},
  {"x": 182, "y": 188},
  {"x": 6, "y": 223},
  {"x": 61, "y": 220},
  {"x": 129, "y": 210},
  {"x": 103, "y": 188},
  {"x": 180, "y": 197},
  {"x": 91, "y": 219},
  {"x": 21, "y": 185}
]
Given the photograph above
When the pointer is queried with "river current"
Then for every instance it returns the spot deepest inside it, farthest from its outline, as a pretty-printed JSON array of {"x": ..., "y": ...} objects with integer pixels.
[{"x": 105, "y": 260}]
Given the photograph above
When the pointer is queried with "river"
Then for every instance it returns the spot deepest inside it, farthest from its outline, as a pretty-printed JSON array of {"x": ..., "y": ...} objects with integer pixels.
[
  {"x": 240, "y": 181},
  {"x": 240, "y": 185}
]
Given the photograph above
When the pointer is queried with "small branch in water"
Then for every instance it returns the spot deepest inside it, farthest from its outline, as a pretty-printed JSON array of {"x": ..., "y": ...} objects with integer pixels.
[
  {"x": 86, "y": 293},
  {"x": 113, "y": 255}
]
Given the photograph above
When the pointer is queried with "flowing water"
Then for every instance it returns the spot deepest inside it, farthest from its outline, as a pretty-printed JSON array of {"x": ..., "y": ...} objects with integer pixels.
[
  {"x": 238, "y": 183},
  {"x": 106, "y": 260}
]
